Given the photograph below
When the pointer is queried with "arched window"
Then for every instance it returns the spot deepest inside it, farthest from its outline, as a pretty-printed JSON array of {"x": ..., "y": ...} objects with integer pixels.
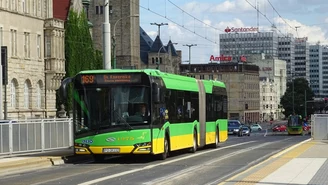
[
  {"x": 13, "y": 93},
  {"x": 39, "y": 95}
]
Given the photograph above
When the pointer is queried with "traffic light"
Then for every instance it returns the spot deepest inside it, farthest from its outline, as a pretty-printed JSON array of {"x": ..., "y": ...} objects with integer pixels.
[{"x": 4, "y": 63}]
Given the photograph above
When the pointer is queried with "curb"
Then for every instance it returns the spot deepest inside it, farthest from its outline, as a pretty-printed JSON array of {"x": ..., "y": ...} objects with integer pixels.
[{"x": 26, "y": 164}]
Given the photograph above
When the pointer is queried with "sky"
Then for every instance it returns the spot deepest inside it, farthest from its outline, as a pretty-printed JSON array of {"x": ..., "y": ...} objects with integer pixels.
[{"x": 200, "y": 22}]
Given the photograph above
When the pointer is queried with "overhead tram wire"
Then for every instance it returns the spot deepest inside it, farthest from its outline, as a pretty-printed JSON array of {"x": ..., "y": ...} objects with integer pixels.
[
  {"x": 195, "y": 18},
  {"x": 174, "y": 22},
  {"x": 280, "y": 15},
  {"x": 263, "y": 16}
]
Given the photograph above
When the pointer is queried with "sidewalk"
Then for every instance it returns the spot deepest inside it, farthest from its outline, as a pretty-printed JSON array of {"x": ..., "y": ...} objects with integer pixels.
[
  {"x": 304, "y": 163},
  {"x": 33, "y": 161}
]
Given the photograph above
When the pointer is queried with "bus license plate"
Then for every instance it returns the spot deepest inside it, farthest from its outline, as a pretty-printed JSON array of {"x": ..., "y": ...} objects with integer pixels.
[{"x": 111, "y": 150}]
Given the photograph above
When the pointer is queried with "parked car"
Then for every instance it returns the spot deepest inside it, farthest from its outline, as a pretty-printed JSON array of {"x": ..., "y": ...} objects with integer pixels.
[
  {"x": 256, "y": 127},
  {"x": 306, "y": 127},
  {"x": 246, "y": 131},
  {"x": 279, "y": 128},
  {"x": 235, "y": 127}
]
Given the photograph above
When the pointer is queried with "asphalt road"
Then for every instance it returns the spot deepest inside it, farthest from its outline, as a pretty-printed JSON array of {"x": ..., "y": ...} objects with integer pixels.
[{"x": 206, "y": 166}]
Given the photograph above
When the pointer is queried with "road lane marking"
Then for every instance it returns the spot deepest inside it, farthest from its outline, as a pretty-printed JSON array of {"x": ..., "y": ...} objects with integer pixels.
[
  {"x": 198, "y": 167},
  {"x": 159, "y": 164},
  {"x": 84, "y": 171},
  {"x": 270, "y": 168}
]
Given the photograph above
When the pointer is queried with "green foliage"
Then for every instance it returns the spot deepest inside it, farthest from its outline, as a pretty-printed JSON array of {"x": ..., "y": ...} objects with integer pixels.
[
  {"x": 79, "y": 51},
  {"x": 300, "y": 86}
]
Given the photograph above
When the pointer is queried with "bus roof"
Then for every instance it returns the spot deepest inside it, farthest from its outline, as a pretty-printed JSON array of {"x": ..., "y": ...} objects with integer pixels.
[{"x": 172, "y": 81}]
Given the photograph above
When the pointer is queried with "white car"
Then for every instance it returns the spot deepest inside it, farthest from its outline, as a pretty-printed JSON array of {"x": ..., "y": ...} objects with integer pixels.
[{"x": 256, "y": 127}]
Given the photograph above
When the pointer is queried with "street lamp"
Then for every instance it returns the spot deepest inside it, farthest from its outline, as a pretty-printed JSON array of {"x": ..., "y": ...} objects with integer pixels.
[
  {"x": 157, "y": 62},
  {"x": 190, "y": 45},
  {"x": 114, "y": 38}
]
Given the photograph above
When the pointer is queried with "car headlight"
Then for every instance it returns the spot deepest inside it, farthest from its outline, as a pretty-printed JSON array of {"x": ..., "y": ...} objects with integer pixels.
[{"x": 236, "y": 130}]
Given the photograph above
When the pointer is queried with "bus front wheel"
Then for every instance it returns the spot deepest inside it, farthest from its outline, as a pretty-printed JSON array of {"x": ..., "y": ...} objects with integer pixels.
[
  {"x": 216, "y": 144},
  {"x": 165, "y": 154}
]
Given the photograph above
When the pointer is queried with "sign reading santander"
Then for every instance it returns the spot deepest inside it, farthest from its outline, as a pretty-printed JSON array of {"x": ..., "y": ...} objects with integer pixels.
[{"x": 241, "y": 29}]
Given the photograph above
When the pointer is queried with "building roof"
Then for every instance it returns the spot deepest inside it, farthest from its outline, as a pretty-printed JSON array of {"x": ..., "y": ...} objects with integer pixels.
[
  {"x": 145, "y": 44},
  {"x": 157, "y": 45},
  {"x": 173, "y": 51},
  {"x": 61, "y": 9}
]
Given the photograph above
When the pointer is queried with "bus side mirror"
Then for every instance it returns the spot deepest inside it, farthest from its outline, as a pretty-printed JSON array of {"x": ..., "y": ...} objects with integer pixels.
[
  {"x": 64, "y": 88},
  {"x": 156, "y": 93}
]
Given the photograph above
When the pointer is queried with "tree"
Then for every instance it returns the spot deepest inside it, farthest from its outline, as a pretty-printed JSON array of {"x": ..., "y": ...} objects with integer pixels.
[
  {"x": 79, "y": 51},
  {"x": 301, "y": 86}
]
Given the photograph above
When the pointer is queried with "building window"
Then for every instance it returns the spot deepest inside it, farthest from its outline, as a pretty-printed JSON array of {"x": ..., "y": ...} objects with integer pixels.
[
  {"x": 33, "y": 8},
  {"x": 13, "y": 42},
  {"x": 38, "y": 95},
  {"x": 210, "y": 77},
  {"x": 38, "y": 46},
  {"x": 99, "y": 10},
  {"x": 13, "y": 95},
  {"x": 13, "y": 5},
  {"x": 48, "y": 46},
  {"x": 201, "y": 76},
  {"x": 27, "y": 95},
  {"x": 27, "y": 45},
  {"x": 23, "y": 6},
  {"x": 263, "y": 98}
]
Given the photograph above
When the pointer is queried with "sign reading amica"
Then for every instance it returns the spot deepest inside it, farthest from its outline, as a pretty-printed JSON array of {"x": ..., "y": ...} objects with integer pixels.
[
  {"x": 241, "y": 29},
  {"x": 221, "y": 58}
]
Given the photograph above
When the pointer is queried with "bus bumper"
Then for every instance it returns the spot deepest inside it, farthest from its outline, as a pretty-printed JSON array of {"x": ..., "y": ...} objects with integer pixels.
[{"x": 112, "y": 150}]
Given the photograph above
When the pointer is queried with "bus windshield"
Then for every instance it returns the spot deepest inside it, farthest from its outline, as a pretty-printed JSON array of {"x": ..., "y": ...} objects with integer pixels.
[
  {"x": 103, "y": 108},
  {"x": 294, "y": 120}
]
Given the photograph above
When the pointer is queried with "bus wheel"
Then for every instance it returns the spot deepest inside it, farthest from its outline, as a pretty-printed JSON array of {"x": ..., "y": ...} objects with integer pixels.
[
  {"x": 164, "y": 155},
  {"x": 193, "y": 149},
  {"x": 99, "y": 157},
  {"x": 216, "y": 144}
]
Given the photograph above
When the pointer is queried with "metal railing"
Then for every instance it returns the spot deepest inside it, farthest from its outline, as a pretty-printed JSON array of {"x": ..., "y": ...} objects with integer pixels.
[
  {"x": 319, "y": 126},
  {"x": 35, "y": 135}
]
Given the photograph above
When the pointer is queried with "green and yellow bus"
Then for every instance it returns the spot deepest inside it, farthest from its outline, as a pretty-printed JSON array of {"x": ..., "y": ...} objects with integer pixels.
[
  {"x": 294, "y": 125},
  {"x": 179, "y": 112}
]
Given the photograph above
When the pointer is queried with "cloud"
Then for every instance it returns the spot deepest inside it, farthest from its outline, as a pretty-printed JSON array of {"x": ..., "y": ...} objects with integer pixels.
[
  {"x": 314, "y": 33},
  {"x": 152, "y": 34},
  {"x": 228, "y": 6}
]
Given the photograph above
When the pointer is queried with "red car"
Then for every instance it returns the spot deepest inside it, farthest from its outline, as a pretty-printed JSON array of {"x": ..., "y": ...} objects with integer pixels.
[
  {"x": 279, "y": 128},
  {"x": 306, "y": 127}
]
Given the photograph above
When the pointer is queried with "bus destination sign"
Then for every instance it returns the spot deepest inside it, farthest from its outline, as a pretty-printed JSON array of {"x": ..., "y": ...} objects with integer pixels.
[{"x": 110, "y": 78}]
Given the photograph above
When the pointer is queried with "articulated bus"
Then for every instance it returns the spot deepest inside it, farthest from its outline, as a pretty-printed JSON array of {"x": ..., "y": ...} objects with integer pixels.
[
  {"x": 118, "y": 112},
  {"x": 294, "y": 125}
]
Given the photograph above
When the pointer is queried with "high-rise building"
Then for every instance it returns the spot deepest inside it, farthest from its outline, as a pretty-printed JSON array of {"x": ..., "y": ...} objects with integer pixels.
[
  {"x": 302, "y": 64},
  {"x": 246, "y": 44},
  {"x": 286, "y": 51},
  {"x": 319, "y": 70},
  {"x": 295, "y": 51}
]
